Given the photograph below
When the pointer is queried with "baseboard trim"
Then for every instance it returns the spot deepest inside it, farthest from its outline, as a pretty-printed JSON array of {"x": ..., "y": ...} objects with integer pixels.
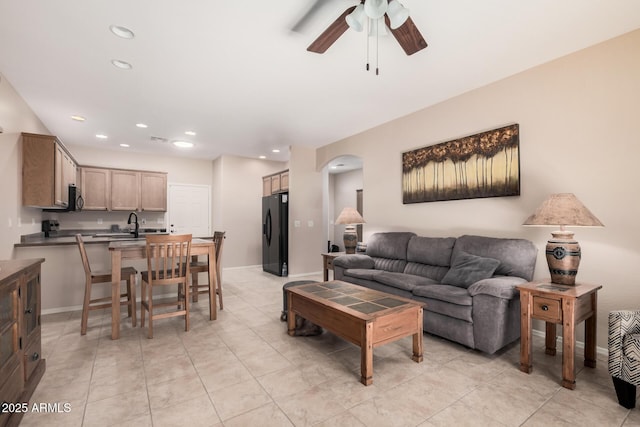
[{"x": 579, "y": 344}]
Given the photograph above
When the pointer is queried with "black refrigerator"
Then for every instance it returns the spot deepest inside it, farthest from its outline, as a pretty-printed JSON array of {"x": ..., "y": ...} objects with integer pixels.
[{"x": 275, "y": 233}]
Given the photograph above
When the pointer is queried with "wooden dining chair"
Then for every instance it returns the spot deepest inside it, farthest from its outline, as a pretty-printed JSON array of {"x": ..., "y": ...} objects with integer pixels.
[
  {"x": 203, "y": 267},
  {"x": 167, "y": 265},
  {"x": 127, "y": 298}
]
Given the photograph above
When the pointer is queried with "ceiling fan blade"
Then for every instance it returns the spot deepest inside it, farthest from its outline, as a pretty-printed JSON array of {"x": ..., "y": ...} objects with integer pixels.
[
  {"x": 408, "y": 36},
  {"x": 304, "y": 21},
  {"x": 331, "y": 34}
]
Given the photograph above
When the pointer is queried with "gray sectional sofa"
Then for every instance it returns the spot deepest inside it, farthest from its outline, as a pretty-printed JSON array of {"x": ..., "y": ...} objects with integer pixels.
[{"x": 467, "y": 283}]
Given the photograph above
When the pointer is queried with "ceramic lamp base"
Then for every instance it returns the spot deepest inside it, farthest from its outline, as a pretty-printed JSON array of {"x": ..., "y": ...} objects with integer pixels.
[
  {"x": 350, "y": 240},
  {"x": 563, "y": 257}
]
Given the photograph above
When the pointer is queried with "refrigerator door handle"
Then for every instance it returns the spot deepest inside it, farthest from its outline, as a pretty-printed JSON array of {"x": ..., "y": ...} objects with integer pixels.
[{"x": 268, "y": 231}]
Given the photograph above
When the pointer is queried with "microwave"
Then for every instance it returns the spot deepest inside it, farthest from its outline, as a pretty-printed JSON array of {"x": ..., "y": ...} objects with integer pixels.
[{"x": 76, "y": 202}]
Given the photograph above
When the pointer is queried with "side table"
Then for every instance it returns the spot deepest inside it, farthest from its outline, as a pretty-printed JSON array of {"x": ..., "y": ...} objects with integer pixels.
[
  {"x": 568, "y": 305},
  {"x": 327, "y": 262}
]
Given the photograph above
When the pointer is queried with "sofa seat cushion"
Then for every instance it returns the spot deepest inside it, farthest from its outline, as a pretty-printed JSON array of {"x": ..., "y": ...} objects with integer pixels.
[
  {"x": 467, "y": 269},
  {"x": 452, "y": 294},
  {"x": 456, "y": 311},
  {"x": 631, "y": 346},
  {"x": 363, "y": 273},
  {"x": 402, "y": 281}
]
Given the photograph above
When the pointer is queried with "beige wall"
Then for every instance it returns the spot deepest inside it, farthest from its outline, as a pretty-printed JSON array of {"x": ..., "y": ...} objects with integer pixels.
[
  {"x": 307, "y": 241},
  {"x": 579, "y": 131},
  {"x": 238, "y": 207},
  {"x": 15, "y": 117}
]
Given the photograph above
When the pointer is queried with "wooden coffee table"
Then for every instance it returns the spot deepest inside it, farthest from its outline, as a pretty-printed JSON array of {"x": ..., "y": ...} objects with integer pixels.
[{"x": 362, "y": 316}]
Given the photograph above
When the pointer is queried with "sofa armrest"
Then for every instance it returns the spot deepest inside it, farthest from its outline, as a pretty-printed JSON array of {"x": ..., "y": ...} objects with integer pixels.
[
  {"x": 497, "y": 286},
  {"x": 621, "y": 323},
  {"x": 354, "y": 261}
]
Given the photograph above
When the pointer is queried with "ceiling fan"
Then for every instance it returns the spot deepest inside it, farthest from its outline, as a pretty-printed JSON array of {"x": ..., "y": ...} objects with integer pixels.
[{"x": 396, "y": 18}]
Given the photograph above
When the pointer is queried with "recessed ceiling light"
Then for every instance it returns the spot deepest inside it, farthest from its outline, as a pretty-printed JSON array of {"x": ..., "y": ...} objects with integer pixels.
[
  {"x": 123, "y": 32},
  {"x": 124, "y": 145},
  {"x": 190, "y": 133},
  {"x": 123, "y": 65},
  {"x": 183, "y": 144},
  {"x": 141, "y": 125},
  {"x": 78, "y": 118},
  {"x": 262, "y": 157},
  {"x": 275, "y": 150},
  {"x": 101, "y": 136}
]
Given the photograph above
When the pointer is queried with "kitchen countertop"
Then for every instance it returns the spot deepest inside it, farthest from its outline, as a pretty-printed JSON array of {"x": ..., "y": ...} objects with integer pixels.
[{"x": 67, "y": 238}]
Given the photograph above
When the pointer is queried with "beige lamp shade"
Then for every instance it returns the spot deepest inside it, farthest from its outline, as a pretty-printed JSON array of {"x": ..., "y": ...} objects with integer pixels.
[
  {"x": 563, "y": 209},
  {"x": 350, "y": 217},
  {"x": 563, "y": 251}
]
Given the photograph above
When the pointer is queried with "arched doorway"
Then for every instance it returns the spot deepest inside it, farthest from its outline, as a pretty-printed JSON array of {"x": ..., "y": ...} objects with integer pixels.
[{"x": 343, "y": 188}]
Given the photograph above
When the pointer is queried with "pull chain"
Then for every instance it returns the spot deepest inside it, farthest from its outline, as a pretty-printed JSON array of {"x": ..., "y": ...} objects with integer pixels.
[
  {"x": 377, "y": 40},
  {"x": 367, "y": 36}
]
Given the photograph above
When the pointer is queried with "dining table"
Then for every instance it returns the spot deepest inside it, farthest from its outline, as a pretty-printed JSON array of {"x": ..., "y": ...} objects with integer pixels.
[{"x": 137, "y": 249}]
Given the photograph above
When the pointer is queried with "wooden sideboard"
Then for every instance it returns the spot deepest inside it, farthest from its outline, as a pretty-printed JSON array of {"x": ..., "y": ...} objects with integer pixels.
[{"x": 21, "y": 364}]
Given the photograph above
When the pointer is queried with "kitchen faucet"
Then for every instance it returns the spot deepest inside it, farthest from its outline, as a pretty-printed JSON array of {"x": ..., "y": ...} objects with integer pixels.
[{"x": 135, "y": 233}]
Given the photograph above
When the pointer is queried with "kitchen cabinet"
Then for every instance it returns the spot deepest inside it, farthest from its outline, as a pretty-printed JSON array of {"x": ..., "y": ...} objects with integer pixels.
[
  {"x": 47, "y": 171},
  {"x": 266, "y": 186},
  {"x": 95, "y": 187},
  {"x": 284, "y": 181},
  {"x": 153, "y": 191},
  {"x": 21, "y": 364},
  {"x": 123, "y": 190},
  {"x": 275, "y": 183}
]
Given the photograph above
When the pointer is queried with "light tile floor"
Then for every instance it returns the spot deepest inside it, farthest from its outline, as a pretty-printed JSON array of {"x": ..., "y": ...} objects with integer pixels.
[{"x": 244, "y": 370}]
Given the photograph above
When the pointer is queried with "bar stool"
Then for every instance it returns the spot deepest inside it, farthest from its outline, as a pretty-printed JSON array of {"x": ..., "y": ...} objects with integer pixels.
[
  {"x": 167, "y": 265},
  {"x": 203, "y": 267},
  {"x": 104, "y": 277}
]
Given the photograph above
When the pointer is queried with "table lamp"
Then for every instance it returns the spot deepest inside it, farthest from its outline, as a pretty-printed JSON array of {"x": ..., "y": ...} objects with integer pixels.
[
  {"x": 563, "y": 252},
  {"x": 350, "y": 217}
]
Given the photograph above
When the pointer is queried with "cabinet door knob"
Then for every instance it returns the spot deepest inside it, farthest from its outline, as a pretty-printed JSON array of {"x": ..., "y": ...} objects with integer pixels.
[
  {"x": 28, "y": 310},
  {"x": 545, "y": 308},
  {"x": 35, "y": 356}
]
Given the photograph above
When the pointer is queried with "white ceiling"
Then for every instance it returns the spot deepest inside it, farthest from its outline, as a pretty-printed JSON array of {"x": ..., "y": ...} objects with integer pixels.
[{"x": 235, "y": 73}]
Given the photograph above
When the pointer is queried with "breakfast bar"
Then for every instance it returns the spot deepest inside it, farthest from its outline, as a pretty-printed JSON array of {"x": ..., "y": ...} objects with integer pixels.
[{"x": 136, "y": 249}]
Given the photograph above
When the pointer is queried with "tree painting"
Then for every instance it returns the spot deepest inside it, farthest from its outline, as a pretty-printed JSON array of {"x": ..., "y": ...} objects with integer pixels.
[{"x": 486, "y": 164}]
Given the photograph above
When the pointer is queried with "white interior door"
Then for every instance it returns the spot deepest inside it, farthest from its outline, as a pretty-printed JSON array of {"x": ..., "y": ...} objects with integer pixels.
[{"x": 190, "y": 209}]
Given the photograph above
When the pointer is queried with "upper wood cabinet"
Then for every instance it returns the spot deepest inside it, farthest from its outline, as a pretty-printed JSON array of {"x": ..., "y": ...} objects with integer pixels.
[
  {"x": 95, "y": 187},
  {"x": 47, "y": 171},
  {"x": 123, "y": 190},
  {"x": 153, "y": 191},
  {"x": 275, "y": 183}
]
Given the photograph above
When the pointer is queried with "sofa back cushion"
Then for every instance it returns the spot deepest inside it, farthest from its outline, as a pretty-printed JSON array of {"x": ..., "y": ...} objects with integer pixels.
[
  {"x": 517, "y": 256},
  {"x": 429, "y": 256},
  {"x": 389, "y": 250}
]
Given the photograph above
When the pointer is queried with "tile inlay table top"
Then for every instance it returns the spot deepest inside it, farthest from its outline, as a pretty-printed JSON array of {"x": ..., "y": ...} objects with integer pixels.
[{"x": 362, "y": 316}]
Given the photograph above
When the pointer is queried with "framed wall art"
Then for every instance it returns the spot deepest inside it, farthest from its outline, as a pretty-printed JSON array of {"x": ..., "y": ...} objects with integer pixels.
[{"x": 486, "y": 164}]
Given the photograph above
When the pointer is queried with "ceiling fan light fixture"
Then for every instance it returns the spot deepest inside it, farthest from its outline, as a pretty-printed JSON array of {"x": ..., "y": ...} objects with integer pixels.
[
  {"x": 378, "y": 28},
  {"x": 355, "y": 18},
  {"x": 397, "y": 13},
  {"x": 375, "y": 9}
]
